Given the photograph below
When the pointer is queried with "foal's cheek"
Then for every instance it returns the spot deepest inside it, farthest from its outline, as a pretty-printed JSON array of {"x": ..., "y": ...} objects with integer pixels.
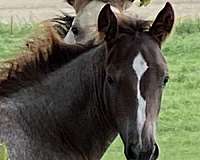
[
  {"x": 109, "y": 97},
  {"x": 153, "y": 104}
]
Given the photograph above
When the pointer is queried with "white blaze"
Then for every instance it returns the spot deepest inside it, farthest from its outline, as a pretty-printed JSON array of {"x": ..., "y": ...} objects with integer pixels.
[{"x": 140, "y": 67}]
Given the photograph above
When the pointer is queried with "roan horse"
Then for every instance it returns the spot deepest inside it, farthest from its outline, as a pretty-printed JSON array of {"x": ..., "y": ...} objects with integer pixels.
[
  {"x": 81, "y": 29},
  {"x": 84, "y": 25},
  {"x": 77, "y": 110}
]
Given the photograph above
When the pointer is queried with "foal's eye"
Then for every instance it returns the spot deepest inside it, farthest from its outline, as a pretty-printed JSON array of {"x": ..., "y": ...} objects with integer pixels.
[
  {"x": 166, "y": 79},
  {"x": 110, "y": 80},
  {"x": 75, "y": 30}
]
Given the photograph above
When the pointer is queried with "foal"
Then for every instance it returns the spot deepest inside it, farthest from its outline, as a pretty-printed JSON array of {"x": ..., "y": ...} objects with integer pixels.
[{"x": 75, "y": 112}]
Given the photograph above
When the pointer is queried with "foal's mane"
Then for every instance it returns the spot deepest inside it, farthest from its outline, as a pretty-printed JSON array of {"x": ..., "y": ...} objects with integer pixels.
[{"x": 43, "y": 54}]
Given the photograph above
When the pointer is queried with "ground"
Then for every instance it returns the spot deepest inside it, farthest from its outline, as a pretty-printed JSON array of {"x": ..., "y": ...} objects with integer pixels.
[{"x": 37, "y": 10}]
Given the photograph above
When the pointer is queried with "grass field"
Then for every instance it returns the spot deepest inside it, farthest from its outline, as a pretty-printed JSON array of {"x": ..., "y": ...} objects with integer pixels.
[
  {"x": 10, "y": 42},
  {"x": 179, "y": 124}
]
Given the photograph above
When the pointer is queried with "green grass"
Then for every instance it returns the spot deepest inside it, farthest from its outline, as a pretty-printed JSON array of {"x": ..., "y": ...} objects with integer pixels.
[
  {"x": 10, "y": 43},
  {"x": 3, "y": 152},
  {"x": 179, "y": 125}
]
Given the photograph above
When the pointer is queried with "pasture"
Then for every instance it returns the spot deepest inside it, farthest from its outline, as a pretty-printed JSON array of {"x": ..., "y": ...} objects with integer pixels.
[{"x": 178, "y": 129}]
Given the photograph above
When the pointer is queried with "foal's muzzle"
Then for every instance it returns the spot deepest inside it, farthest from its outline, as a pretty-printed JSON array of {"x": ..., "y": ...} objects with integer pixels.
[{"x": 133, "y": 153}]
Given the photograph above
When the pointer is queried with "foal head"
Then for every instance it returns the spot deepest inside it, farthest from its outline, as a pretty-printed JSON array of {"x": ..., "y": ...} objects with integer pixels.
[
  {"x": 136, "y": 74},
  {"x": 84, "y": 25}
]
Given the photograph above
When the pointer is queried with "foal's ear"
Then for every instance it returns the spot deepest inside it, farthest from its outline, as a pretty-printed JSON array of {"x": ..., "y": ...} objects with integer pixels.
[
  {"x": 163, "y": 24},
  {"x": 107, "y": 22}
]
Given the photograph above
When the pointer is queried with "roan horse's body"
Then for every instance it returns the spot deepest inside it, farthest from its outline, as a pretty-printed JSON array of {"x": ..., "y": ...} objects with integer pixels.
[{"x": 75, "y": 111}]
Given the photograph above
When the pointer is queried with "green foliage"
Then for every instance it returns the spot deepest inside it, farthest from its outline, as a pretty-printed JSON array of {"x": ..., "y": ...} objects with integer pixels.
[{"x": 3, "y": 152}]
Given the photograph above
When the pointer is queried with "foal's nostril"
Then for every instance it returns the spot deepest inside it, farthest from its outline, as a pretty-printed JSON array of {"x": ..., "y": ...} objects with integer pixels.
[
  {"x": 132, "y": 152},
  {"x": 151, "y": 154},
  {"x": 146, "y": 155},
  {"x": 155, "y": 153}
]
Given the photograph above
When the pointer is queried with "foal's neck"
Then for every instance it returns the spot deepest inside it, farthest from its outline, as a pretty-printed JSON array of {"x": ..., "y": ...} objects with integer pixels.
[{"x": 67, "y": 110}]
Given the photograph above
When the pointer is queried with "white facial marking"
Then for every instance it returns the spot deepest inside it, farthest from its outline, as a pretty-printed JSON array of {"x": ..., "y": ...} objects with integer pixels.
[
  {"x": 140, "y": 67},
  {"x": 69, "y": 38}
]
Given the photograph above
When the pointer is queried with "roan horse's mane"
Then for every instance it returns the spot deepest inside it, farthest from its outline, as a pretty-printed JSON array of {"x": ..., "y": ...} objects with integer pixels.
[{"x": 42, "y": 55}]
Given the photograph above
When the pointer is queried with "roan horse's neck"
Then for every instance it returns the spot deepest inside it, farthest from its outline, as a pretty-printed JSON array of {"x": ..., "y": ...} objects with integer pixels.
[{"x": 66, "y": 112}]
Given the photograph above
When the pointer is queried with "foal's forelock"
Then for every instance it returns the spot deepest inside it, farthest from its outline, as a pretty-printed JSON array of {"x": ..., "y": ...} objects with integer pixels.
[{"x": 140, "y": 67}]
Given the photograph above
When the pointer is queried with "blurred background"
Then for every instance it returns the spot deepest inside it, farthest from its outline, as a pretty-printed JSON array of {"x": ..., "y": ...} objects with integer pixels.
[{"x": 37, "y": 10}]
